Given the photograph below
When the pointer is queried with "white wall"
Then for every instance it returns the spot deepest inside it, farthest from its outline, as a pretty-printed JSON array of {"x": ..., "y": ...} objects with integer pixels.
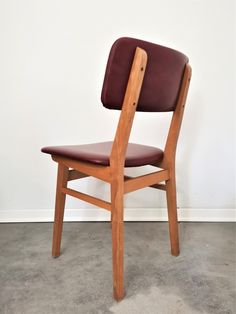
[{"x": 52, "y": 60}]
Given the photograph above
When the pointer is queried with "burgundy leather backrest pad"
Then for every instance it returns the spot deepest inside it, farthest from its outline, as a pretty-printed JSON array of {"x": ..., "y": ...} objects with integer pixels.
[{"x": 162, "y": 78}]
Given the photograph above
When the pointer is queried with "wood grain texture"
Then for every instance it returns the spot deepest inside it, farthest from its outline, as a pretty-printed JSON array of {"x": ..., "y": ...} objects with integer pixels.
[
  {"x": 88, "y": 198},
  {"x": 172, "y": 214},
  {"x": 128, "y": 108},
  {"x": 74, "y": 175},
  {"x": 169, "y": 162},
  {"x": 117, "y": 161},
  {"x": 173, "y": 134},
  {"x": 157, "y": 186},
  {"x": 97, "y": 171},
  {"x": 117, "y": 195},
  {"x": 146, "y": 180},
  {"x": 62, "y": 178}
]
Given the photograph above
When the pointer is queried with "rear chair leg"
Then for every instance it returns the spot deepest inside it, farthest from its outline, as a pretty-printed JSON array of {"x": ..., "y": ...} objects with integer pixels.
[
  {"x": 62, "y": 178},
  {"x": 111, "y": 218},
  {"x": 117, "y": 241},
  {"x": 172, "y": 215}
]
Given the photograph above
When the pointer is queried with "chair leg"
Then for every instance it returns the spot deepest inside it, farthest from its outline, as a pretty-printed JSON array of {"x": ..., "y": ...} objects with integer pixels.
[
  {"x": 117, "y": 241},
  {"x": 111, "y": 219},
  {"x": 172, "y": 215},
  {"x": 62, "y": 178}
]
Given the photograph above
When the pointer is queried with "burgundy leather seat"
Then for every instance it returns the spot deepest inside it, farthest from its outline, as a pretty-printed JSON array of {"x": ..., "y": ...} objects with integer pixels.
[{"x": 136, "y": 155}]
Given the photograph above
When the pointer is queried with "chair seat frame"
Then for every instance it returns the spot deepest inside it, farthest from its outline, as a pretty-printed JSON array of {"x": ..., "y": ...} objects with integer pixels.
[{"x": 113, "y": 174}]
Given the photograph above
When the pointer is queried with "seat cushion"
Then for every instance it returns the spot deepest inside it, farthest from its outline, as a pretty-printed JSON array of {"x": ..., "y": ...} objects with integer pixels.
[{"x": 137, "y": 155}]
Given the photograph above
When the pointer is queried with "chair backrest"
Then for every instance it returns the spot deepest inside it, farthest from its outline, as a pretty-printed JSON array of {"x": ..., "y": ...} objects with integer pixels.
[{"x": 162, "y": 79}]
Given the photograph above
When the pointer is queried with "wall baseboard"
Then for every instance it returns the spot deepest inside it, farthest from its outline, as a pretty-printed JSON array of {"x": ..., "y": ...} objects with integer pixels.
[{"x": 131, "y": 214}]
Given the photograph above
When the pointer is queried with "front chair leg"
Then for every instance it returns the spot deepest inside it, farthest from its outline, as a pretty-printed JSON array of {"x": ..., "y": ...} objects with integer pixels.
[
  {"x": 172, "y": 215},
  {"x": 62, "y": 178},
  {"x": 117, "y": 241}
]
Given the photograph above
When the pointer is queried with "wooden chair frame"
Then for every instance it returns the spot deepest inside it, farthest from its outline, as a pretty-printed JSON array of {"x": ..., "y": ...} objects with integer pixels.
[{"x": 69, "y": 169}]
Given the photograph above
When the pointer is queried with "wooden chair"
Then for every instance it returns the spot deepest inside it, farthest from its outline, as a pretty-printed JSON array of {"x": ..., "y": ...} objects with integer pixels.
[{"x": 139, "y": 76}]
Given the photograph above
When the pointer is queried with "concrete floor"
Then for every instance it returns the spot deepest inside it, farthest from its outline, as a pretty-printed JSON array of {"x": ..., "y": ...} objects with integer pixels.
[{"x": 200, "y": 280}]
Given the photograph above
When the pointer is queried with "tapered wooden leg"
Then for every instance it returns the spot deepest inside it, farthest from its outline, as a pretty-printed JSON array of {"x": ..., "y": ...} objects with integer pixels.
[
  {"x": 172, "y": 215},
  {"x": 62, "y": 177},
  {"x": 111, "y": 218},
  {"x": 117, "y": 240}
]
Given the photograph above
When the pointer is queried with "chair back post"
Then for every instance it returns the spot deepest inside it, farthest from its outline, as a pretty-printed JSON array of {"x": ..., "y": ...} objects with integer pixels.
[
  {"x": 117, "y": 163},
  {"x": 171, "y": 142},
  {"x": 117, "y": 157}
]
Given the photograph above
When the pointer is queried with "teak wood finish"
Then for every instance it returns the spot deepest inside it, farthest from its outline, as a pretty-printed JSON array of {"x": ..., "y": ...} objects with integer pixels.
[{"x": 69, "y": 169}]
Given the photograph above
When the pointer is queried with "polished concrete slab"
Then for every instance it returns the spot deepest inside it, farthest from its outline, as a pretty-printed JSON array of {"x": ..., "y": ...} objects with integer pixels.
[{"x": 201, "y": 280}]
